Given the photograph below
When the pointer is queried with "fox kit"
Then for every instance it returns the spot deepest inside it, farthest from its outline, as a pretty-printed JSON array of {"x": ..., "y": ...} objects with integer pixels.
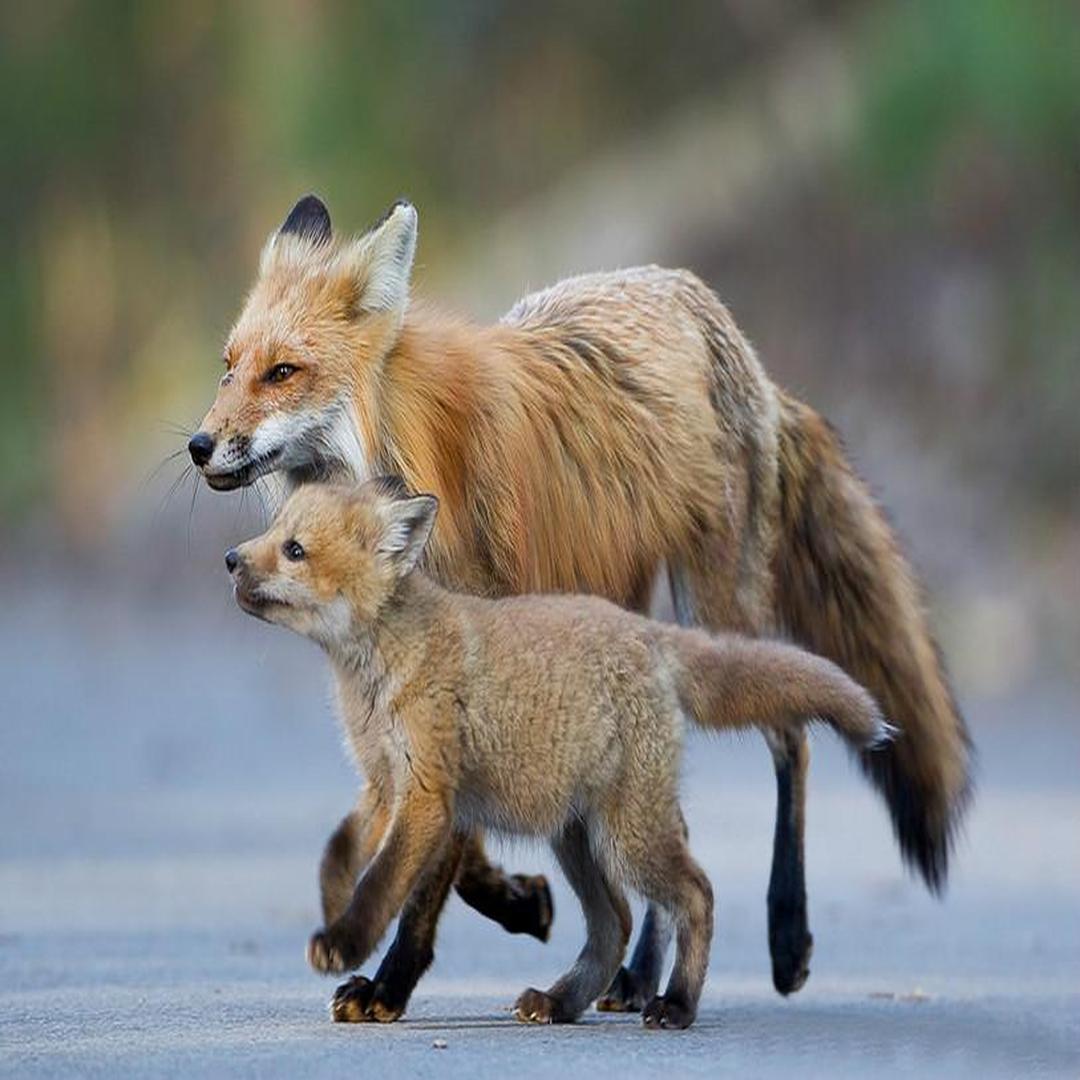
[
  {"x": 607, "y": 426},
  {"x": 553, "y": 716}
]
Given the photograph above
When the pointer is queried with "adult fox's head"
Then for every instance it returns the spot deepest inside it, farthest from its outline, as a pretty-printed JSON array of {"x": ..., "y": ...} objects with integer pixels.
[
  {"x": 303, "y": 360},
  {"x": 333, "y": 557}
]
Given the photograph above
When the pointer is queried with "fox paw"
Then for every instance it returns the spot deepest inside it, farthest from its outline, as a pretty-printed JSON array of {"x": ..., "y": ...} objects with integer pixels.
[
  {"x": 625, "y": 994},
  {"x": 330, "y": 952},
  {"x": 666, "y": 1012},
  {"x": 534, "y": 910},
  {"x": 536, "y": 1007},
  {"x": 791, "y": 951},
  {"x": 361, "y": 1001}
]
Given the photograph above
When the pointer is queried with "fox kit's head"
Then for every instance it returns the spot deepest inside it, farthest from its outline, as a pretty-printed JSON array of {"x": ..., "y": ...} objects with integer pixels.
[
  {"x": 302, "y": 361},
  {"x": 333, "y": 557}
]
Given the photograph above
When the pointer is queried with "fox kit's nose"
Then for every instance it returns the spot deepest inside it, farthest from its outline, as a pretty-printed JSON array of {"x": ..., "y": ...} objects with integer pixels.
[
  {"x": 201, "y": 447},
  {"x": 232, "y": 559}
]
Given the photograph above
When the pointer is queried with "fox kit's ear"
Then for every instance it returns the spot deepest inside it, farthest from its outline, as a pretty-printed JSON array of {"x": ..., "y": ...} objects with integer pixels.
[
  {"x": 408, "y": 525},
  {"x": 308, "y": 219},
  {"x": 381, "y": 260}
]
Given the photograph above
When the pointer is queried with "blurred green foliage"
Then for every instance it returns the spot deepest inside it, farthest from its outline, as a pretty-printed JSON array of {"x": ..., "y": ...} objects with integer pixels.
[{"x": 147, "y": 148}]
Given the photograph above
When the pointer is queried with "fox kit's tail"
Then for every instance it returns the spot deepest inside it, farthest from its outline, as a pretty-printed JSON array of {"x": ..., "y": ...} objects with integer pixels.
[
  {"x": 844, "y": 589},
  {"x": 736, "y": 682}
]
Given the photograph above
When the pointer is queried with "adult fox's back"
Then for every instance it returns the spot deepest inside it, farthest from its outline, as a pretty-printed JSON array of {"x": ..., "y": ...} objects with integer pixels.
[{"x": 817, "y": 558}]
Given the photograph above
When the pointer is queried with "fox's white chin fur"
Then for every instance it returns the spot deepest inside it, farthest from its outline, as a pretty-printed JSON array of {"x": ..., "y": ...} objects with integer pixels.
[{"x": 301, "y": 446}]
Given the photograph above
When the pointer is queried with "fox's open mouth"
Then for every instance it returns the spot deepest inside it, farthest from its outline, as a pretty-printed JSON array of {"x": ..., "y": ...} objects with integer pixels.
[
  {"x": 244, "y": 474},
  {"x": 253, "y": 602}
]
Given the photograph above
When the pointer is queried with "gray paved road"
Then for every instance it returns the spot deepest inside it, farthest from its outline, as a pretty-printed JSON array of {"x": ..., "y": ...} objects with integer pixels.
[{"x": 166, "y": 784}]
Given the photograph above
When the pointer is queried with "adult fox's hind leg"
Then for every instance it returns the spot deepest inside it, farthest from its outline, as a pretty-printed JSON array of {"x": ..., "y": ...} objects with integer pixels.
[
  {"x": 679, "y": 885},
  {"x": 721, "y": 592}
]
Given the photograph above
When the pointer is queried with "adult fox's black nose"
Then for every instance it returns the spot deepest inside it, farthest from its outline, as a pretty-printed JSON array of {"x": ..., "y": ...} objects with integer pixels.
[
  {"x": 232, "y": 559},
  {"x": 201, "y": 447}
]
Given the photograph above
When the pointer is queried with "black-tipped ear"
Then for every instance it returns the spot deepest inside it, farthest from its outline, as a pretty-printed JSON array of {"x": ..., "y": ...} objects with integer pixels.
[
  {"x": 308, "y": 219},
  {"x": 408, "y": 525}
]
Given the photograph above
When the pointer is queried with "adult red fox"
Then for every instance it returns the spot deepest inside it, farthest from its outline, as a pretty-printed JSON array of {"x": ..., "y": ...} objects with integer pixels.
[
  {"x": 605, "y": 427},
  {"x": 560, "y": 717}
]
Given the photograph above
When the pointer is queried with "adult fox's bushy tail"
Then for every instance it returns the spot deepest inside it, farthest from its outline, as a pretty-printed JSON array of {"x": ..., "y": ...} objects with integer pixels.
[
  {"x": 845, "y": 590},
  {"x": 742, "y": 682}
]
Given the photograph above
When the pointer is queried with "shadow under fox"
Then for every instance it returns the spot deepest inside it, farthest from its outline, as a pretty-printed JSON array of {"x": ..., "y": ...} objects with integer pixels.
[
  {"x": 558, "y": 716},
  {"x": 606, "y": 427}
]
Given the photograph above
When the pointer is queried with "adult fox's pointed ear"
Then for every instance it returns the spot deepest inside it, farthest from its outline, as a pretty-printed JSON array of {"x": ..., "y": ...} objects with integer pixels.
[
  {"x": 381, "y": 260},
  {"x": 308, "y": 219},
  {"x": 407, "y": 526}
]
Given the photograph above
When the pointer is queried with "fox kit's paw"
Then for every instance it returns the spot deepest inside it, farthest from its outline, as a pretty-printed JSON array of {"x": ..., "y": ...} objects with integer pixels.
[
  {"x": 668, "y": 1012},
  {"x": 361, "y": 1001},
  {"x": 536, "y": 1007},
  {"x": 331, "y": 952},
  {"x": 531, "y": 910},
  {"x": 625, "y": 994}
]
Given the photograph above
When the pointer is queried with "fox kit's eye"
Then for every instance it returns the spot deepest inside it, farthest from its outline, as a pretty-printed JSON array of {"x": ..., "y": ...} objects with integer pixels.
[
  {"x": 280, "y": 372},
  {"x": 292, "y": 550}
]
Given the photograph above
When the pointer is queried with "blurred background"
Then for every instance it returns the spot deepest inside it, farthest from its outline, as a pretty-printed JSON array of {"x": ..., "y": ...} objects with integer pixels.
[{"x": 886, "y": 194}]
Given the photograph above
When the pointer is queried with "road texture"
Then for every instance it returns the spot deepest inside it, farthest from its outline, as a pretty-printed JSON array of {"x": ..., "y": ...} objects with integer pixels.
[{"x": 169, "y": 771}]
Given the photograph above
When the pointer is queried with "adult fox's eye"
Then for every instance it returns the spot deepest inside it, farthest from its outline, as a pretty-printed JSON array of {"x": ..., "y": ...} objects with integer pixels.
[
  {"x": 280, "y": 372},
  {"x": 292, "y": 550}
]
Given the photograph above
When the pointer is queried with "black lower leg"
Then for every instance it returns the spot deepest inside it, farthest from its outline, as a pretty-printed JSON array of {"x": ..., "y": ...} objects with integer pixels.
[
  {"x": 519, "y": 904},
  {"x": 790, "y": 941}
]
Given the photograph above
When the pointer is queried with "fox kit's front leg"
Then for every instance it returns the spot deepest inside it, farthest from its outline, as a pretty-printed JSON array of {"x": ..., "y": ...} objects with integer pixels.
[
  {"x": 350, "y": 848},
  {"x": 418, "y": 831}
]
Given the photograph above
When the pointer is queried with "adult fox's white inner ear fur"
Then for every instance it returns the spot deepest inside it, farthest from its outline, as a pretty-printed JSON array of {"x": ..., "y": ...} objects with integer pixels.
[{"x": 382, "y": 260}]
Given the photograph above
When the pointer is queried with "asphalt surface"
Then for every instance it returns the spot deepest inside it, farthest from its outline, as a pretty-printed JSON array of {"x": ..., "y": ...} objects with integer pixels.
[{"x": 169, "y": 771}]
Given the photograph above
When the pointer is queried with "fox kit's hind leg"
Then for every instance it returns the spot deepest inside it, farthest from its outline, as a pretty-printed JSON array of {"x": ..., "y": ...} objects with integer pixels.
[
  {"x": 636, "y": 983},
  {"x": 674, "y": 881},
  {"x": 607, "y": 921}
]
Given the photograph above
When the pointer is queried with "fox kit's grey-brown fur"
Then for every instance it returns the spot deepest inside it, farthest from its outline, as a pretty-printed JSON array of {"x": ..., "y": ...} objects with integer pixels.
[{"x": 558, "y": 716}]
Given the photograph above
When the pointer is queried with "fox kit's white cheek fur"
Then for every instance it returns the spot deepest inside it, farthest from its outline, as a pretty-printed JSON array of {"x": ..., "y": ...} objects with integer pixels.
[{"x": 332, "y": 623}]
